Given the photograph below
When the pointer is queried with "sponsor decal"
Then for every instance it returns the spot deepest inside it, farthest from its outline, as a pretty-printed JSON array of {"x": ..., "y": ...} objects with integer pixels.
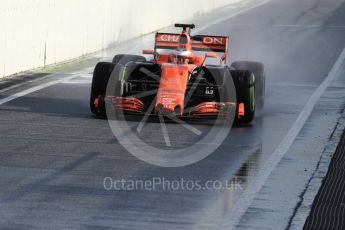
[
  {"x": 214, "y": 40},
  {"x": 207, "y": 40},
  {"x": 168, "y": 38},
  {"x": 168, "y": 100},
  {"x": 209, "y": 91}
]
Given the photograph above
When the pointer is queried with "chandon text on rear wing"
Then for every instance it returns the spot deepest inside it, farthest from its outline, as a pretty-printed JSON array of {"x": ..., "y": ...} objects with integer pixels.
[{"x": 199, "y": 42}]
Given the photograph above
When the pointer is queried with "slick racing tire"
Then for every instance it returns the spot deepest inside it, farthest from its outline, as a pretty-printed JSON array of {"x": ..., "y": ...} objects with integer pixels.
[
  {"x": 99, "y": 84},
  {"x": 260, "y": 78},
  {"x": 125, "y": 58},
  {"x": 244, "y": 81}
]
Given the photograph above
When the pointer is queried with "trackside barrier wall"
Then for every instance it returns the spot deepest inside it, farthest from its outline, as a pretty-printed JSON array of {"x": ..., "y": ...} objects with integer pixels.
[{"x": 35, "y": 33}]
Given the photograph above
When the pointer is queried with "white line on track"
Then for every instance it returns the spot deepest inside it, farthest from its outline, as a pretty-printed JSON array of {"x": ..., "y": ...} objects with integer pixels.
[
  {"x": 42, "y": 78},
  {"x": 232, "y": 219},
  {"x": 34, "y": 89},
  {"x": 289, "y": 25},
  {"x": 310, "y": 26},
  {"x": 215, "y": 22},
  {"x": 25, "y": 83}
]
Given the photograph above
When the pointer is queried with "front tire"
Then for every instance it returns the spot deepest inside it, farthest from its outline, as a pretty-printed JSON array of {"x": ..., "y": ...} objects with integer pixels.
[
  {"x": 260, "y": 78},
  {"x": 101, "y": 75},
  {"x": 244, "y": 81}
]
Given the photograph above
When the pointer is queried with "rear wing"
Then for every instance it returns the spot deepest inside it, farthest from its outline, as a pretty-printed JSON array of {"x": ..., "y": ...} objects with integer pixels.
[{"x": 204, "y": 43}]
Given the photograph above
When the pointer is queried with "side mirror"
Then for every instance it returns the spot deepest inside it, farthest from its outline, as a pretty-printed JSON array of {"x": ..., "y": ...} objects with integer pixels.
[
  {"x": 149, "y": 52},
  {"x": 211, "y": 55},
  {"x": 152, "y": 52}
]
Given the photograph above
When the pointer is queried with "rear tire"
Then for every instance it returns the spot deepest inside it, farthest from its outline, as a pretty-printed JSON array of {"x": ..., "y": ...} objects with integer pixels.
[
  {"x": 260, "y": 78},
  {"x": 99, "y": 84},
  {"x": 244, "y": 81}
]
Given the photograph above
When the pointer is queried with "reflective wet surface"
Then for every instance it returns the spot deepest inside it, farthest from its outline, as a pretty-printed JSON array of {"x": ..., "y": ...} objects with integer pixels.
[{"x": 55, "y": 155}]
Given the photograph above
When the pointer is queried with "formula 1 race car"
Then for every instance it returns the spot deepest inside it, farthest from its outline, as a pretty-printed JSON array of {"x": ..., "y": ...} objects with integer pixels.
[{"x": 179, "y": 81}]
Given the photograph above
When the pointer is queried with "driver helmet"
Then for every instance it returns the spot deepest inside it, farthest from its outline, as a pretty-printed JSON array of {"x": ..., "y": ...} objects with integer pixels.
[{"x": 180, "y": 57}]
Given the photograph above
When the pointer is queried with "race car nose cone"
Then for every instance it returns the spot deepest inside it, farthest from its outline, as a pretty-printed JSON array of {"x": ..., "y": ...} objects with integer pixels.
[
  {"x": 172, "y": 89},
  {"x": 160, "y": 109},
  {"x": 168, "y": 106}
]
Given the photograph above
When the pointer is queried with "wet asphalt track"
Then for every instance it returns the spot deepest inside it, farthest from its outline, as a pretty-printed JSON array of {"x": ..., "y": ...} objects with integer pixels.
[{"x": 55, "y": 154}]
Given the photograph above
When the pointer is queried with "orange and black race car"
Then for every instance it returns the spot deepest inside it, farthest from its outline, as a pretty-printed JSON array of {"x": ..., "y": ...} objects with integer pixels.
[{"x": 187, "y": 76}]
